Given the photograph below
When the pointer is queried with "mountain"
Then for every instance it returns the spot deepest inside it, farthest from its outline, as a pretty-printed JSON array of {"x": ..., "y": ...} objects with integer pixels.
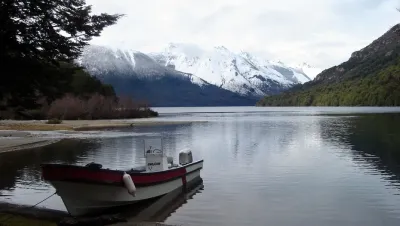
[
  {"x": 307, "y": 69},
  {"x": 135, "y": 74},
  {"x": 371, "y": 77},
  {"x": 241, "y": 73},
  {"x": 186, "y": 75}
]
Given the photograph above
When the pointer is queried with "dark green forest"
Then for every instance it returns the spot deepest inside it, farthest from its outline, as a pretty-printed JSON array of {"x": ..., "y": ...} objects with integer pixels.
[
  {"x": 40, "y": 41},
  {"x": 381, "y": 89},
  {"x": 371, "y": 77}
]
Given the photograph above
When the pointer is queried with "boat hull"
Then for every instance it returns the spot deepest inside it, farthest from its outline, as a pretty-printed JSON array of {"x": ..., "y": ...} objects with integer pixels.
[{"x": 82, "y": 198}]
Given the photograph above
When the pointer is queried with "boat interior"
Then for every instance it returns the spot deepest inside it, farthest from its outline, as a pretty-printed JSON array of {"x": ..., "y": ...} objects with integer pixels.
[
  {"x": 154, "y": 154},
  {"x": 142, "y": 168}
]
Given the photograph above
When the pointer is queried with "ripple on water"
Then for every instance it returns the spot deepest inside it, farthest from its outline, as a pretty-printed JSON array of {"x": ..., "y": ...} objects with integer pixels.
[{"x": 274, "y": 168}]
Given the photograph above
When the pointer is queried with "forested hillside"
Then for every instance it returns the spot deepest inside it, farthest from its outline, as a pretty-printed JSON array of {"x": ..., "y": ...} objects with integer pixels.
[
  {"x": 39, "y": 42},
  {"x": 371, "y": 77}
]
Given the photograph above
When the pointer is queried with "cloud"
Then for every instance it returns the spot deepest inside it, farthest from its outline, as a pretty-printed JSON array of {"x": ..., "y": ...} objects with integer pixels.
[{"x": 322, "y": 33}]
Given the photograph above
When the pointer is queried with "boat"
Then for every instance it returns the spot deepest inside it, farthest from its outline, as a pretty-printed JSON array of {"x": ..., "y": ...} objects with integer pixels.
[{"x": 91, "y": 189}]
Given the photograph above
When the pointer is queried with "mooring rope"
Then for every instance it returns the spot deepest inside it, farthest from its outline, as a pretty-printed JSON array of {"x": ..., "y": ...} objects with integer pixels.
[{"x": 2, "y": 222}]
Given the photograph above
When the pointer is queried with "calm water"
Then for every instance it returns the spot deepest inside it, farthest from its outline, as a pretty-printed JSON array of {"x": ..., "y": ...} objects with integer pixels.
[{"x": 263, "y": 166}]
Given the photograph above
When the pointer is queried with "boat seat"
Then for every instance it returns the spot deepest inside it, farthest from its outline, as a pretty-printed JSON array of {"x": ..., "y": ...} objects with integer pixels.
[
  {"x": 137, "y": 169},
  {"x": 94, "y": 165}
]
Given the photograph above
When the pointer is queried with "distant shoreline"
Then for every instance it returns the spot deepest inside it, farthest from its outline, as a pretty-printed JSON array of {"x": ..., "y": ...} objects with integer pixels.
[
  {"x": 79, "y": 125},
  {"x": 15, "y": 135}
]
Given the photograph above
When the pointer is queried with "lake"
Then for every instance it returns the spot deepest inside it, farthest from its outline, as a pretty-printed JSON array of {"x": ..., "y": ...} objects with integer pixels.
[{"x": 262, "y": 166}]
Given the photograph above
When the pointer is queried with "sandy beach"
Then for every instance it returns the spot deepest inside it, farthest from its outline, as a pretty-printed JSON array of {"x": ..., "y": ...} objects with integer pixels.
[{"x": 15, "y": 135}]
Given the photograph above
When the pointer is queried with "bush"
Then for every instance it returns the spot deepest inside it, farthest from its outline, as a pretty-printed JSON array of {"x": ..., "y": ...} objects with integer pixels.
[
  {"x": 98, "y": 106},
  {"x": 68, "y": 107}
]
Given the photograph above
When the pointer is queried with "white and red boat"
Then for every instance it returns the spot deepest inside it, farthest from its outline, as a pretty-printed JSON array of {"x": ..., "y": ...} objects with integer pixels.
[{"x": 91, "y": 189}]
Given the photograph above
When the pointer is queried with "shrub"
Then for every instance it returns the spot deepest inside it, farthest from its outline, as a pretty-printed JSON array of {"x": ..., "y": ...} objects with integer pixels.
[
  {"x": 68, "y": 107},
  {"x": 98, "y": 106}
]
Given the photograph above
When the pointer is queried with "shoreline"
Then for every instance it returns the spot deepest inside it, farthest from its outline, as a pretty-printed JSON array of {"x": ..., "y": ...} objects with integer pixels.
[
  {"x": 80, "y": 125},
  {"x": 15, "y": 135},
  {"x": 151, "y": 213},
  {"x": 22, "y": 140},
  {"x": 16, "y": 215},
  {"x": 25, "y": 145}
]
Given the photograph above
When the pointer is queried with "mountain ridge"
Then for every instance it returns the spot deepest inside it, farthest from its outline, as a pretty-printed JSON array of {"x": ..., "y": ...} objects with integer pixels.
[
  {"x": 220, "y": 76},
  {"x": 370, "y": 77},
  {"x": 241, "y": 72},
  {"x": 137, "y": 75}
]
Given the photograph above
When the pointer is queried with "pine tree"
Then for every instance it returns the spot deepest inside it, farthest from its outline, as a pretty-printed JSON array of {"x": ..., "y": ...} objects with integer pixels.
[{"x": 36, "y": 36}]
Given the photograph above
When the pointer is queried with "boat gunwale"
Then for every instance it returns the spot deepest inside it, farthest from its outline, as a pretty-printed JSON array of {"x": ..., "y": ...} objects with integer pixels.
[
  {"x": 57, "y": 165},
  {"x": 120, "y": 184},
  {"x": 121, "y": 172}
]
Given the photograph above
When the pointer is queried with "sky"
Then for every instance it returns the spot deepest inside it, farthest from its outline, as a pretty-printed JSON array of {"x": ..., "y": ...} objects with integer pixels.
[{"x": 322, "y": 33}]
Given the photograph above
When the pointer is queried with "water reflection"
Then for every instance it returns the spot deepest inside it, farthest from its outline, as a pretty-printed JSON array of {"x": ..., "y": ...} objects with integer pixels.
[
  {"x": 259, "y": 169},
  {"x": 159, "y": 209},
  {"x": 374, "y": 141},
  {"x": 21, "y": 180},
  {"x": 24, "y": 166}
]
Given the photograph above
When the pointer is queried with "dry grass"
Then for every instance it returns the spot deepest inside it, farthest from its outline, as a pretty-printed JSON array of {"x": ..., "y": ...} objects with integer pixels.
[
  {"x": 79, "y": 125},
  {"x": 35, "y": 127},
  {"x": 16, "y": 220}
]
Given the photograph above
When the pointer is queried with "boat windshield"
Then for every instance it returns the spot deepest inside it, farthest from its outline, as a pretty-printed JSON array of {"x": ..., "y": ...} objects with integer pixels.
[{"x": 153, "y": 145}]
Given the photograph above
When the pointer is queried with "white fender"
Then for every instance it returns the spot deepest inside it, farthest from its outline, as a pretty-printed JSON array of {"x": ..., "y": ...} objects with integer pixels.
[{"x": 128, "y": 182}]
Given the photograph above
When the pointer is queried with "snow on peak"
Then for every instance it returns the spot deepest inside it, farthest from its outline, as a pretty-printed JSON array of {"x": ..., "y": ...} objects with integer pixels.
[
  {"x": 111, "y": 61},
  {"x": 242, "y": 72},
  {"x": 101, "y": 59},
  {"x": 190, "y": 50},
  {"x": 307, "y": 69},
  {"x": 221, "y": 48}
]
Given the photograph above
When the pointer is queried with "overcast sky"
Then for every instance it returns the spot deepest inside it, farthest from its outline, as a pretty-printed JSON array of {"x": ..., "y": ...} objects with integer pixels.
[{"x": 322, "y": 33}]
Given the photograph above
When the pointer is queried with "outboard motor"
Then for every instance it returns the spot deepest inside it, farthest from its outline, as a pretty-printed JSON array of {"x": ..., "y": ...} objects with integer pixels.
[{"x": 185, "y": 157}]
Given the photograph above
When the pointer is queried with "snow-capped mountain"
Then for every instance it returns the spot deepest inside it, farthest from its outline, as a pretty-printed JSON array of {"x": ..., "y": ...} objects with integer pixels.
[
  {"x": 136, "y": 74},
  {"x": 101, "y": 61},
  {"x": 307, "y": 69},
  {"x": 187, "y": 75},
  {"x": 242, "y": 72}
]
